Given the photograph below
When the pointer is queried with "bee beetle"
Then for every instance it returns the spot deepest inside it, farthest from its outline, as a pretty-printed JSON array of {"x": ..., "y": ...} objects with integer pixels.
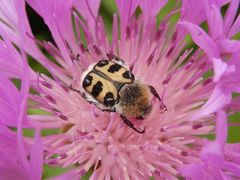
[{"x": 112, "y": 87}]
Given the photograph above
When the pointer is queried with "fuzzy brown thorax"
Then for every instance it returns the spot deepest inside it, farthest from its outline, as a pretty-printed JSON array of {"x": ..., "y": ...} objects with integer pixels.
[{"x": 134, "y": 100}]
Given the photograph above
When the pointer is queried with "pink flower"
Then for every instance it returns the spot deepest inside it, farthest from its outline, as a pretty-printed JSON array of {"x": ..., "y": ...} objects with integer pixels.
[
  {"x": 218, "y": 159},
  {"x": 20, "y": 158},
  {"x": 219, "y": 47},
  {"x": 89, "y": 139},
  {"x": 14, "y": 153}
]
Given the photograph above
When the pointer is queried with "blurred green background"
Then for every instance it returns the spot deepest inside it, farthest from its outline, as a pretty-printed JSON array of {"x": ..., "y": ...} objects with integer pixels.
[{"x": 107, "y": 9}]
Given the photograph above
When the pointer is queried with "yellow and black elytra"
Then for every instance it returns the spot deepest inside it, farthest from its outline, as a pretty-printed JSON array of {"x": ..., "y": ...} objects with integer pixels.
[
  {"x": 112, "y": 87},
  {"x": 114, "y": 72},
  {"x": 100, "y": 88},
  {"x": 104, "y": 80}
]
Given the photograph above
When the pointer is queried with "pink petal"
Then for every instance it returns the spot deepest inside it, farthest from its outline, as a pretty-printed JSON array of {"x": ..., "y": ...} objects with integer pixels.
[
  {"x": 215, "y": 22},
  {"x": 89, "y": 10},
  {"x": 150, "y": 8},
  {"x": 221, "y": 128},
  {"x": 229, "y": 81},
  {"x": 201, "y": 39},
  {"x": 229, "y": 46},
  {"x": 24, "y": 31},
  {"x": 235, "y": 27},
  {"x": 10, "y": 100},
  {"x": 232, "y": 152},
  {"x": 9, "y": 161},
  {"x": 193, "y": 171},
  {"x": 233, "y": 168},
  {"x": 219, "y": 98},
  {"x": 36, "y": 160},
  {"x": 230, "y": 15},
  {"x": 24, "y": 92},
  {"x": 9, "y": 167},
  {"x": 212, "y": 154},
  {"x": 57, "y": 15},
  {"x": 126, "y": 10},
  {"x": 219, "y": 68},
  {"x": 8, "y": 141},
  {"x": 16, "y": 28},
  {"x": 10, "y": 59},
  {"x": 9, "y": 19},
  {"x": 192, "y": 10}
]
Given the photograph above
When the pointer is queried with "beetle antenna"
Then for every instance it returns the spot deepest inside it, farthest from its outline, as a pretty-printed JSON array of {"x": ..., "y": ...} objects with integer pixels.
[{"x": 154, "y": 93}]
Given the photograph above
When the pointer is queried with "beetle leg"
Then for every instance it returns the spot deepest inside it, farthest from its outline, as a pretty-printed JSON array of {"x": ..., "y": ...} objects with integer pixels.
[
  {"x": 71, "y": 87},
  {"x": 116, "y": 59},
  {"x": 109, "y": 110},
  {"x": 130, "y": 124},
  {"x": 140, "y": 118},
  {"x": 154, "y": 92}
]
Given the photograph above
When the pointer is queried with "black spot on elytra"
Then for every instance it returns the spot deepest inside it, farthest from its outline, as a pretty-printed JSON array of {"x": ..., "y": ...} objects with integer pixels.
[
  {"x": 114, "y": 68},
  {"x": 102, "y": 63},
  {"x": 87, "y": 81},
  {"x": 109, "y": 99},
  {"x": 128, "y": 75},
  {"x": 97, "y": 88}
]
